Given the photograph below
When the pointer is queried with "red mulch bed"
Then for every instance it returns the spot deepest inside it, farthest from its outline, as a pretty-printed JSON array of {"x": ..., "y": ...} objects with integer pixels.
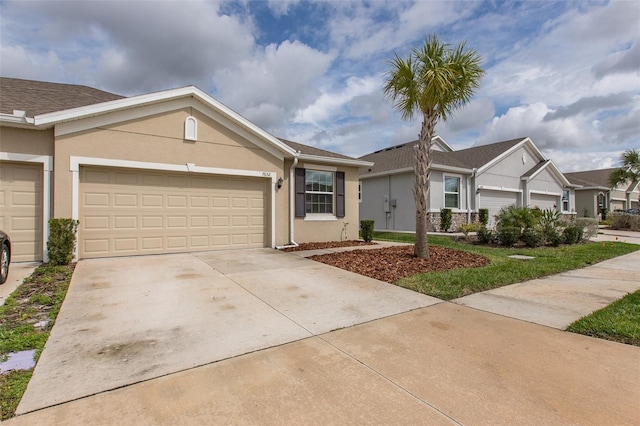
[
  {"x": 328, "y": 244},
  {"x": 393, "y": 263}
]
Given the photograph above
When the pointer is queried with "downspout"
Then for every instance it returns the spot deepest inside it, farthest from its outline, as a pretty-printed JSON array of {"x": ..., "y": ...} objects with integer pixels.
[
  {"x": 292, "y": 203},
  {"x": 470, "y": 185}
]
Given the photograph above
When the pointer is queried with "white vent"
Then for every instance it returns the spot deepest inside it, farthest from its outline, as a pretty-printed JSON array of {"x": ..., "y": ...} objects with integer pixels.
[{"x": 191, "y": 129}]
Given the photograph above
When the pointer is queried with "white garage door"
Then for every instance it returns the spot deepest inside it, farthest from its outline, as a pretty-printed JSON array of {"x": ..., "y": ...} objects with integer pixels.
[
  {"x": 21, "y": 209},
  {"x": 495, "y": 200},
  {"x": 127, "y": 212},
  {"x": 544, "y": 202},
  {"x": 616, "y": 205}
]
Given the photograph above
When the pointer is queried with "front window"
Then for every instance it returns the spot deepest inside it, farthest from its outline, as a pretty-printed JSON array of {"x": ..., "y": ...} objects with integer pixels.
[
  {"x": 452, "y": 192},
  {"x": 318, "y": 192},
  {"x": 565, "y": 201}
]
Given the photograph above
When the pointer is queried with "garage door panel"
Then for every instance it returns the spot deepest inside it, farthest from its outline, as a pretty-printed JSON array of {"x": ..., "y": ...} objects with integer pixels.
[
  {"x": 496, "y": 200},
  {"x": 21, "y": 202},
  {"x": 178, "y": 213}
]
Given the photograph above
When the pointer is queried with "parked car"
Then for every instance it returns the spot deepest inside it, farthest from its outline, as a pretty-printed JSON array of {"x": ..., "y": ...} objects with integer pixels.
[{"x": 5, "y": 256}]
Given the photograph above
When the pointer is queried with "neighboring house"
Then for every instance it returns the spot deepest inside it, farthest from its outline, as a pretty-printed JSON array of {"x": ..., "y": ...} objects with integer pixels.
[
  {"x": 595, "y": 194},
  {"x": 489, "y": 176},
  {"x": 165, "y": 172}
]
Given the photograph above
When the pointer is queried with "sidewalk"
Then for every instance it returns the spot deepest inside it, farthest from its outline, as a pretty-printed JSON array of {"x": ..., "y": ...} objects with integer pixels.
[{"x": 558, "y": 300}]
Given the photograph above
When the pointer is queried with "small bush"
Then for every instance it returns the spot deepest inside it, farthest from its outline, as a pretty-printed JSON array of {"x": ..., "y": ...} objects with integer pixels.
[
  {"x": 465, "y": 228},
  {"x": 366, "y": 227},
  {"x": 61, "y": 244},
  {"x": 508, "y": 235},
  {"x": 483, "y": 217},
  {"x": 572, "y": 234},
  {"x": 485, "y": 236},
  {"x": 445, "y": 219},
  {"x": 520, "y": 217},
  {"x": 604, "y": 213},
  {"x": 532, "y": 237},
  {"x": 553, "y": 237},
  {"x": 625, "y": 221},
  {"x": 589, "y": 226},
  {"x": 586, "y": 212}
]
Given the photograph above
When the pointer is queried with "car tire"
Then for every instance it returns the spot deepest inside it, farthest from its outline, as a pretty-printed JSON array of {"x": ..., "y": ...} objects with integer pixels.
[{"x": 4, "y": 264}]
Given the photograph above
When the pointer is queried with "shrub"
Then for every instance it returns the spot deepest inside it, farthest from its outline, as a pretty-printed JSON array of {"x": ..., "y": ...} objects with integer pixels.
[
  {"x": 625, "y": 221},
  {"x": 509, "y": 235},
  {"x": 445, "y": 219},
  {"x": 465, "y": 228},
  {"x": 572, "y": 234},
  {"x": 553, "y": 237},
  {"x": 520, "y": 217},
  {"x": 483, "y": 217},
  {"x": 366, "y": 227},
  {"x": 485, "y": 236},
  {"x": 532, "y": 237},
  {"x": 589, "y": 226},
  {"x": 61, "y": 244},
  {"x": 549, "y": 218},
  {"x": 604, "y": 213}
]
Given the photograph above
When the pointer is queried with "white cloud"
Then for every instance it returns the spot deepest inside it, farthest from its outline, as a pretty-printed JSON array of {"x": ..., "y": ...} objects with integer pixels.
[{"x": 282, "y": 76}]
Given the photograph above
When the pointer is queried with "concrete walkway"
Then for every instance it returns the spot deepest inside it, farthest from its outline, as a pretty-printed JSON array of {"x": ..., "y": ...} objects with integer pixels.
[
  {"x": 558, "y": 300},
  {"x": 444, "y": 364},
  {"x": 131, "y": 319}
]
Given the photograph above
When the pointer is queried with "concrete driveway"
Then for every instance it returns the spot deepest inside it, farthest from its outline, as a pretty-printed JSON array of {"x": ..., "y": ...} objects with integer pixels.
[{"x": 128, "y": 320}]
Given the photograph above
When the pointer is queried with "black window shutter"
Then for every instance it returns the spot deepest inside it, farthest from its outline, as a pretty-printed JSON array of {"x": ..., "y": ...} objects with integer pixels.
[
  {"x": 300, "y": 184},
  {"x": 340, "y": 194}
]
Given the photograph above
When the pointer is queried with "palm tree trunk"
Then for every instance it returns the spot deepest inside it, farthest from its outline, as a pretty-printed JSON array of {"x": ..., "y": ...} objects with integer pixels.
[{"x": 422, "y": 171}]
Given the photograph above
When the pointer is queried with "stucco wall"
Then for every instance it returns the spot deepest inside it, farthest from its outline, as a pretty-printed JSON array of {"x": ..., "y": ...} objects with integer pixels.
[
  {"x": 508, "y": 171},
  {"x": 23, "y": 141},
  {"x": 307, "y": 229},
  {"x": 160, "y": 139}
]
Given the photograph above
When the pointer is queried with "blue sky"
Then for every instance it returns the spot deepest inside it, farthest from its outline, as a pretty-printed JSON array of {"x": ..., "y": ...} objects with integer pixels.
[{"x": 566, "y": 74}]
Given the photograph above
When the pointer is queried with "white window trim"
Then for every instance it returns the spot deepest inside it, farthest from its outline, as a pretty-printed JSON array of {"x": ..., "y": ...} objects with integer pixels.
[
  {"x": 444, "y": 192},
  {"x": 47, "y": 168},
  {"x": 321, "y": 216},
  {"x": 568, "y": 201},
  {"x": 76, "y": 162}
]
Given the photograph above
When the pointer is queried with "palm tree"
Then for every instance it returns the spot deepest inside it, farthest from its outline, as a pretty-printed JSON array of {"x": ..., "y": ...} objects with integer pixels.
[
  {"x": 435, "y": 80},
  {"x": 630, "y": 170}
]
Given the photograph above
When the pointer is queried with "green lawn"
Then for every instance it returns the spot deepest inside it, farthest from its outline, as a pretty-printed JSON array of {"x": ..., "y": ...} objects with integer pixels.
[
  {"x": 502, "y": 270},
  {"x": 619, "y": 321},
  {"x": 36, "y": 301}
]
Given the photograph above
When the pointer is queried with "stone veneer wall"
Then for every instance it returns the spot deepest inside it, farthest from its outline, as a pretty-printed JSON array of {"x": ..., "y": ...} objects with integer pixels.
[{"x": 457, "y": 219}]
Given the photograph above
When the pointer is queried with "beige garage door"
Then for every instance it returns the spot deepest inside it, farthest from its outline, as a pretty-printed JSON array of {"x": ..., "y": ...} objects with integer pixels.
[
  {"x": 128, "y": 212},
  {"x": 21, "y": 209}
]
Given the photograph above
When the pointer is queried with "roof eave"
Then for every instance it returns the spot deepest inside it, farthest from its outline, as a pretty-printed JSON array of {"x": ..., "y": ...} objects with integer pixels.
[{"x": 335, "y": 161}]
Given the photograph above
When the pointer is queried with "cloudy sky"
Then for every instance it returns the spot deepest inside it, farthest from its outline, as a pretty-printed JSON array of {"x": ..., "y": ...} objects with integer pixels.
[{"x": 566, "y": 74}]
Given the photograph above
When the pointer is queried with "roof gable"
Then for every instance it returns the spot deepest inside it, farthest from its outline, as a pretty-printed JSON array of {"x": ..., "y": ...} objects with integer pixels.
[{"x": 401, "y": 157}]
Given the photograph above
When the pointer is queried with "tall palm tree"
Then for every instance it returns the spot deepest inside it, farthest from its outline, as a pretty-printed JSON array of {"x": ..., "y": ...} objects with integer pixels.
[
  {"x": 435, "y": 80},
  {"x": 630, "y": 170}
]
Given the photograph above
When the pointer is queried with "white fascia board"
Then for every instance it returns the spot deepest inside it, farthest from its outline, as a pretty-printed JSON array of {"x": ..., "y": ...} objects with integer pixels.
[
  {"x": 14, "y": 121},
  {"x": 387, "y": 173},
  {"x": 499, "y": 188},
  {"x": 158, "y": 98},
  {"x": 599, "y": 188},
  {"x": 452, "y": 169},
  {"x": 443, "y": 143},
  {"x": 544, "y": 166},
  {"x": 336, "y": 161},
  {"x": 535, "y": 191}
]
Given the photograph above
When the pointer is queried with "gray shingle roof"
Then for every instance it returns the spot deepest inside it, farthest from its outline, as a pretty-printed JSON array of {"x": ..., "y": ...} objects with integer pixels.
[
  {"x": 39, "y": 97},
  {"x": 591, "y": 177},
  {"x": 311, "y": 150},
  {"x": 535, "y": 168},
  {"x": 401, "y": 156}
]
